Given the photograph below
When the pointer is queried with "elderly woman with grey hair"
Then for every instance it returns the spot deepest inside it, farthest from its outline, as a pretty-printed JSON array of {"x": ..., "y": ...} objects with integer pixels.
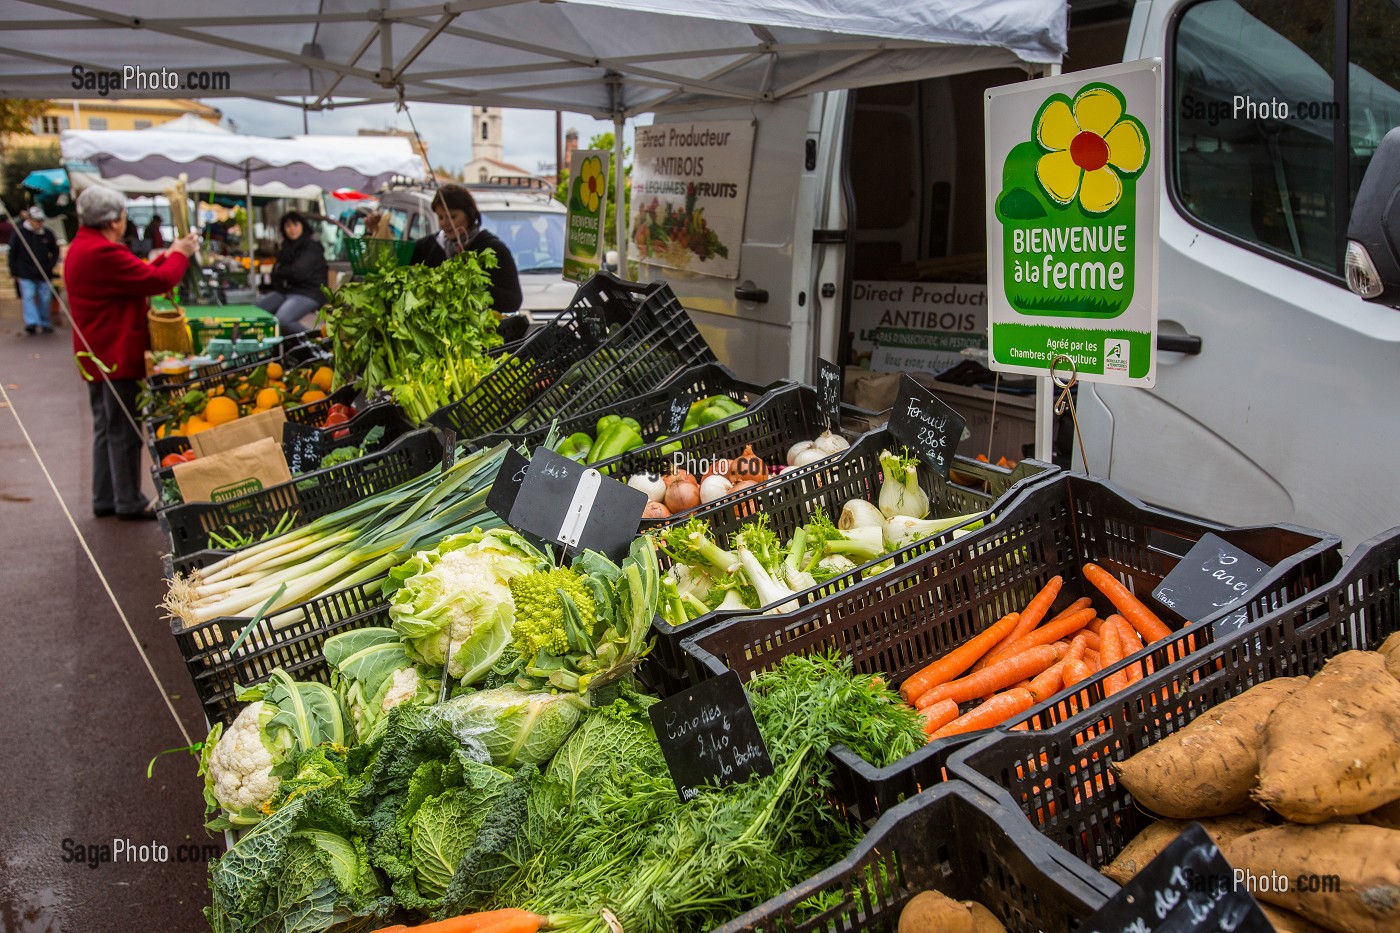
[{"x": 109, "y": 293}]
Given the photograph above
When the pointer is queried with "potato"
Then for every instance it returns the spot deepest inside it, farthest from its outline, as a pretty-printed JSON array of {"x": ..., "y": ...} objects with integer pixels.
[
  {"x": 1387, "y": 816},
  {"x": 1365, "y": 859},
  {"x": 1149, "y": 843},
  {"x": 1390, "y": 650},
  {"x": 1210, "y": 766},
  {"x": 934, "y": 912},
  {"x": 1286, "y": 921},
  {"x": 1333, "y": 748},
  {"x": 983, "y": 920}
]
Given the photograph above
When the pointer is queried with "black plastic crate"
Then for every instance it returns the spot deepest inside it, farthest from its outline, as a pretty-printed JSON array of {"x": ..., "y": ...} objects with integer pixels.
[
  {"x": 650, "y": 409},
  {"x": 789, "y": 501},
  {"x": 312, "y": 413},
  {"x": 307, "y": 497},
  {"x": 294, "y": 644},
  {"x": 542, "y": 358},
  {"x": 900, "y": 621},
  {"x": 1060, "y": 777},
  {"x": 649, "y": 350},
  {"x": 950, "y": 839},
  {"x": 293, "y": 353}
]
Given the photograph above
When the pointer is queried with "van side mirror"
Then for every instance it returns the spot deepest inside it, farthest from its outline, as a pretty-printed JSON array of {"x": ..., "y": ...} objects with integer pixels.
[{"x": 1373, "y": 235}]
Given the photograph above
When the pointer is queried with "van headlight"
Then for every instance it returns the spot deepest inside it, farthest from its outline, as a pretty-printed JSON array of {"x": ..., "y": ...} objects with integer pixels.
[{"x": 1362, "y": 277}]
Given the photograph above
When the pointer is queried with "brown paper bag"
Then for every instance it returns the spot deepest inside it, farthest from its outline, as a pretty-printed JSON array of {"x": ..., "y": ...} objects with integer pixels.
[
  {"x": 224, "y": 437},
  {"x": 233, "y": 473}
]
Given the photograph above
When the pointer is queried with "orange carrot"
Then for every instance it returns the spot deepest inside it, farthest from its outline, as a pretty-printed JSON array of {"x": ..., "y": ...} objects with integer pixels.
[
  {"x": 995, "y": 711},
  {"x": 1133, "y": 610},
  {"x": 1078, "y": 647},
  {"x": 1030, "y": 617},
  {"x": 1091, "y": 639},
  {"x": 1002, "y": 674},
  {"x": 1092, "y": 659},
  {"x": 958, "y": 660},
  {"x": 938, "y": 715},
  {"x": 1131, "y": 641},
  {"x": 1082, "y": 602},
  {"x": 1048, "y": 682},
  {"x": 508, "y": 920},
  {"x": 1111, "y": 654},
  {"x": 1051, "y": 632},
  {"x": 1095, "y": 626},
  {"x": 1074, "y": 672}
]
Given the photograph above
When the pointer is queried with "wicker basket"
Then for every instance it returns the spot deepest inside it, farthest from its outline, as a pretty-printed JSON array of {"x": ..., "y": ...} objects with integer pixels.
[{"x": 168, "y": 330}]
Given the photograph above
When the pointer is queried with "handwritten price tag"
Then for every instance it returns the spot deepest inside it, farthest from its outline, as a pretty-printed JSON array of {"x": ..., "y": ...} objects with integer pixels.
[
  {"x": 829, "y": 377},
  {"x": 926, "y": 426},
  {"x": 708, "y": 736},
  {"x": 1214, "y": 575}
]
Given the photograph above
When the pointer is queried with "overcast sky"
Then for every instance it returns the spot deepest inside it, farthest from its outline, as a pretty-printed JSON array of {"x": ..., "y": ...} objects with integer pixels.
[{"x": 528, "y": 134}]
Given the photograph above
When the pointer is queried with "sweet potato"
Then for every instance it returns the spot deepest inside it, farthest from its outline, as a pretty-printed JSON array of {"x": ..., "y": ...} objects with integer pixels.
[
  {"x": 1364, "y": 859},
  {"x": 1333, "y": 748},
  {"x": 1390, "y": 650},
  {"x": 1211, "y": 765},
  {"x": 1149, "y": 843},
  {"x": 935, "y": 912},
  {"x": 1387, "y": 816},
  {"x": 983, "y": 920},
  {"x": 1286, "y": 921}
]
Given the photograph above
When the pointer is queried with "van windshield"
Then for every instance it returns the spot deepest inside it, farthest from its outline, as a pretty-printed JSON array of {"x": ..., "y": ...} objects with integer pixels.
[{"x": 534, "y": 238}]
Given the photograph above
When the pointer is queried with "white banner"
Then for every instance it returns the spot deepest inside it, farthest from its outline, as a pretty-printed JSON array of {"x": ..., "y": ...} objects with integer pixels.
[
  {"x": 916, "y": 326},
  {"x": 690, "y": 187}
]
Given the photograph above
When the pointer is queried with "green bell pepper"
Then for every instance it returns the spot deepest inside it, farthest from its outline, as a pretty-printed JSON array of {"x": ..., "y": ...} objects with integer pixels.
[
  {"x": 606, "y": 422},
  {"x": 615, "y": 441},
  {"x": 672, "y": 448}
]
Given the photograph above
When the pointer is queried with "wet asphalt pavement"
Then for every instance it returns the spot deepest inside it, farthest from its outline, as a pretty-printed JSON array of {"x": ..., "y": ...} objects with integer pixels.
[{"x": 80, "y": 716}]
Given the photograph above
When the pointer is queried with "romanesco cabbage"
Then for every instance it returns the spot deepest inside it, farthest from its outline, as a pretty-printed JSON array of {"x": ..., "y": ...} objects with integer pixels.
[{"x": 539, "y": 611}]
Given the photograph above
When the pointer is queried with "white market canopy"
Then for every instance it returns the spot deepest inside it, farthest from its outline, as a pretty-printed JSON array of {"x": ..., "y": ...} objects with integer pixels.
[{"x": 608, "y": 58}]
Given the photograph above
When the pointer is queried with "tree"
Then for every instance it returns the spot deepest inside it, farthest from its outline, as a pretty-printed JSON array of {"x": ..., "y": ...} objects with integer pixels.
[
  {"x": 604, "y": 141},
  {"x": 17, "y": 116},
  {"x": 19, "y": 163}
]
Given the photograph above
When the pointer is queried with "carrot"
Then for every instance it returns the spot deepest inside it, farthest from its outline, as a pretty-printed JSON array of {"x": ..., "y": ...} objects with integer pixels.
[
  {"x": 1091, "y": 639},
  {"x": 508, "y": 920},
  {"x": 1078, "y": 647},
  {"x": 958, "y": 660},
  {"x": 1052, "y": 632},
  {"x": 1132, "y": 609},
  {"x": 1002, "y": 674},
  {"x": 1082, "y": 602},
  {"x": 993, "y": 712},
  {"x": 938, "y": 715},
  {"x": 1030, "y": 617},
  {"x": 1111, "y": 654},
  {"x": 1074, "y": 672},
  {"x": 1092, "y": 659},
  {"x": 1132, "y": 644},
  {"x": 1095, "y": 626},
  {"x": 1048, "y": 682}
]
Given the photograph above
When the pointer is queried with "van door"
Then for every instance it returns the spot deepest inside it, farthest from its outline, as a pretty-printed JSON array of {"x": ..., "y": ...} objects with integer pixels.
[
  {"x": 1280, "y": 404},
  {"x": 764, "y": 323}
]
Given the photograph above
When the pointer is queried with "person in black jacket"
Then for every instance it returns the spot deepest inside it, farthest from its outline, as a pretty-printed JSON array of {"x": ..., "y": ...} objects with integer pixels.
[
  {"x": 459, "y": 223},
  {"x": 297, "y": 277},
  {"x": 32, "y": 269}
]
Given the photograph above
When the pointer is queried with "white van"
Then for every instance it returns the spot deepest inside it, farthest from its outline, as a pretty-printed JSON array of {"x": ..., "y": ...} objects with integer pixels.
[{"x": 1275, "y": 397}]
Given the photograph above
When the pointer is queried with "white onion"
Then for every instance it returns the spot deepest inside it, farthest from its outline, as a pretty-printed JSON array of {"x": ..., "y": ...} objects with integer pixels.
[
  {"x": 713, "y": 487},
  {"x": 809, "y": 455},
  {"x": 831, "y": 443},
  {"x": 796, "y": 450},
  {"x": 651, "y": 484}
]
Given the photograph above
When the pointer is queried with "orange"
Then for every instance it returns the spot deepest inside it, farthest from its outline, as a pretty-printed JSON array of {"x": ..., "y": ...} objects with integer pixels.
[
  {"x": 267, "y": 398},
  {"x": 274, "y": 370},
  {"x": 312, "y": 395},
  {"x": 220, "y": 410},
  {"x": 322, "y": 377},
  {"x": 195, "y": 425}
]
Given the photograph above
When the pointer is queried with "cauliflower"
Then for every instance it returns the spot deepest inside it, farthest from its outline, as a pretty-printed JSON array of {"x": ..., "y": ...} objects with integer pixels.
[
  {"x": 403, "y": 687},
  {"x": 539, "y": 610},
  {"x": 238, "y": 768}
]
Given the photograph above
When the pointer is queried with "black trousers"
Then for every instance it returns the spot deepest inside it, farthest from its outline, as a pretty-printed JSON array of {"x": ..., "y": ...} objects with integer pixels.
[{"x": 116, "y": 447}]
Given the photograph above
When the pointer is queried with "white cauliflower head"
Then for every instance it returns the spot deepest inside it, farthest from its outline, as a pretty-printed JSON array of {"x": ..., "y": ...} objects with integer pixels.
[
  {"x": 402, "y": 687},
  {"x": 240, "y": 766}
]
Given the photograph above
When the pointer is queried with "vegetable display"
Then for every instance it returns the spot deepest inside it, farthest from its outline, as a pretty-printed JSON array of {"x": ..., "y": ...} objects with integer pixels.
[
  {"x": 421, "y": 333},
  {"x": 266, "y": 387},
  {"x": 615, "y": 435}
]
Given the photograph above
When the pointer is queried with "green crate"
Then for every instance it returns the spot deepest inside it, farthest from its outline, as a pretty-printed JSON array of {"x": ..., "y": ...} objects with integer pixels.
[
  {"x": 365, "y": 253},
  {"x": 221, "y": 321}
]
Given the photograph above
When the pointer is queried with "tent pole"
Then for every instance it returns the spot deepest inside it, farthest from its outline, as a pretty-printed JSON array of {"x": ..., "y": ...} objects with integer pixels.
[
  {"x": 250, "y": 237},
  {"x": 620, "y": 193}
]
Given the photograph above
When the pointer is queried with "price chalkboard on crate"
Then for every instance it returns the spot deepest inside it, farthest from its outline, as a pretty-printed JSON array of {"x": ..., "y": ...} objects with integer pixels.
[
  {"x": 305, "y": 446},
  {"x": 567, "y": 503},
  {"x": 930, "y": 429},
  {"x": 593, "y": 324},
  {"x": 708, "y": 736},
  {"x": 829, "y": 387},
  {"x": 677, "y": 410},
  {"x": 1188, "y": 888},
  {"x": 1213, "y": 575}
]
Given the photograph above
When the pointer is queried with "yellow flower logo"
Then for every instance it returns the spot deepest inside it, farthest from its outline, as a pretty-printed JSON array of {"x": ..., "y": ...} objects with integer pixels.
[
  {"x": 591, "y": 183},
  {"x": 1090, "y": 146}
]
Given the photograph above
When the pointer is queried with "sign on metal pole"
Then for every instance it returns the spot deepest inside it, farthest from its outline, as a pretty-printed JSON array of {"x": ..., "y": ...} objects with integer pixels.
[
  {"x": 587, "y": 202},
  {"x": 1073, "y": 175}
]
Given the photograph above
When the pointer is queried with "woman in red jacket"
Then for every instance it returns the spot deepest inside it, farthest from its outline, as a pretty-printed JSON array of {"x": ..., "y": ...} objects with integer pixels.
[{"x": 108, "y": 295}]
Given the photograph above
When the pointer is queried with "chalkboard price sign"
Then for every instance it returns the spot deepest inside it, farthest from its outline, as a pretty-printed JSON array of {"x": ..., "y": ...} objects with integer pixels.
[
  {"x": 677, "y": 411},
  {"x": 708, "y": 736},
  {"x": 566, "y": 503},
  {"x": 304, "y": 446},
  {"x": 593, "y": 324},
  {"x": 930, "y": 429},
  {"x": 829, "y": 386},
  {"x": 1188, "y": 888},
  {"x": 449, "y": 449},
  {"x": 1214, "y": 575}
]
